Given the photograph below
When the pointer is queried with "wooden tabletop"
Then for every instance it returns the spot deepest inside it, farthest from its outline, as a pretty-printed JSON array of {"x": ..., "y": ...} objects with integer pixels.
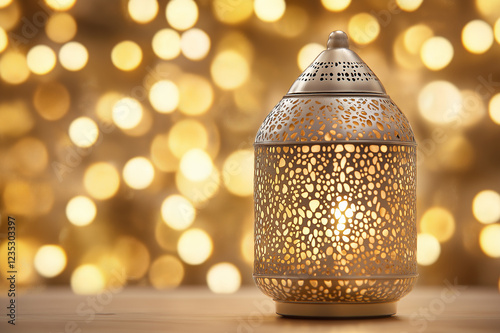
[{"x": 439, "y": 309}]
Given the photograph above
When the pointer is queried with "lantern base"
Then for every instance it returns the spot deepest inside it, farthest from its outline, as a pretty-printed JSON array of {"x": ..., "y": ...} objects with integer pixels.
[{"x": 335, "y": 310}]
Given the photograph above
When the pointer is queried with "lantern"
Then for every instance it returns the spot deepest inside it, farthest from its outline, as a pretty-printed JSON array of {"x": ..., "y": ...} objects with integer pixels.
[{"x": 335, "y": 181}]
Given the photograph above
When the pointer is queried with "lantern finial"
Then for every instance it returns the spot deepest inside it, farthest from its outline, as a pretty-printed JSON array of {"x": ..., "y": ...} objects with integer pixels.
[{"x": 337, "y": 40}]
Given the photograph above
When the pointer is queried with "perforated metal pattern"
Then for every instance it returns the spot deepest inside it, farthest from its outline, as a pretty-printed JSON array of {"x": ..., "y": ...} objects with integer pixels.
[
  {"x": 329, "y": 212},
  {"x": 326, "y": 119}
]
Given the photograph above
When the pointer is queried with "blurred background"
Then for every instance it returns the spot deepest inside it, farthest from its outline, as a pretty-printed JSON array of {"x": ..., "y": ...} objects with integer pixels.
[{"x": 127, "y": 127}]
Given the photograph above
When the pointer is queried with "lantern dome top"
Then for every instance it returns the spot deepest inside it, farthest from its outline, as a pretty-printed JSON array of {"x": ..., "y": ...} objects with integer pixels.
[
  {"x": 338, "y": 69},
  {"x": 336, "y": 99}
]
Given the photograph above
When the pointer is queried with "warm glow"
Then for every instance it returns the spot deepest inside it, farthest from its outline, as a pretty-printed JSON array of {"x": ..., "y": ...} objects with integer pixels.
[
  {"x": 127, "y": 113},
  {"x": 50, "y": 260},
  {"x": 185, "y": 135},
  {"x": 489, "y": 8},
  {"x": 14, "y": 68},
  {"x": 196, "y": 95},
  {"x": 223, "y": 278},
  {"x": 15, "y": 118},
  {"x": 81, "y": 211},
  {"x": 477, "y": 36},
  {"x": 436, "y": 53},
  {"x": 496, "y": 30},
  {"x": 177, "y": 212},
  {"x": 29, "y": 155},
  {"x": 164, "y": 96},
  {"x": 166, "y": 272},
  {"x": 5, "y": 3},
  {"x": 438, "y": 222},
  {"x": 4, "y": 40},
  {"x": 73, "y": 56},
  {"x": 161, "y": 155},
  {"x": 428, "y": 249},
  {"x": 126, "y": 55},
  {"x": 409, "y": 5},
  {"x": 138, "y": 173},
  {"x": 196, "y": 165},
  {"x": 494, "y": 108},
  {"x": 336, "y": 5},
  {"x": 133, "y": 256},
  {"x": 232, "y": 13},
  {"x": 293, "y": 23},
  {"x": 238, "y": 172},
  {"x": 142, "y": 11},
  {"x": 198, "y": 191},
  {"x": 486, "y": 207},
  {"x": 61, "y": 27},
  {"x": 167, "y": 44},
  {"x": 415, "y": 37},
  {"x": 52, "y": 100},
  {"x": 101, "y": 180},
  {"x": 308, "y": 53},
  {"x": 363, "y": 28},
  {"x": 472, "y": 110},
  {"x": 104, "y": 105},
  {"x": 60, "y": 4},
  {"x": 195, "y": 44},
  {"x": 87, "y": 280},
  {"x": 182, "y": 14},
  {"x": 229, "y": 69},
  {"x": 194, "y": 246},
  {"x": 269, "y": 10},
  {"x": 488, "y": 240},
  {"x": 83, "y": 132},
  {"x": 440, "y": 102}
]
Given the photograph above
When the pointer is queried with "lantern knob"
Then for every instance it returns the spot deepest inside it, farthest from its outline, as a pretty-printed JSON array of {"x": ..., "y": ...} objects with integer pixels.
[{"x": 337, "y": 40}]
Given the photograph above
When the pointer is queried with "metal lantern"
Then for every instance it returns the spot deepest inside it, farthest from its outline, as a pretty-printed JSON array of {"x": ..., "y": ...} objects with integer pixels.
[{"x": 335, "y": 177}]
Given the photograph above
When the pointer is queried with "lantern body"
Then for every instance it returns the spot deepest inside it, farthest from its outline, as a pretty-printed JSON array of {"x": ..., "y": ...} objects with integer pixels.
[{"x": 335, "y": 185}]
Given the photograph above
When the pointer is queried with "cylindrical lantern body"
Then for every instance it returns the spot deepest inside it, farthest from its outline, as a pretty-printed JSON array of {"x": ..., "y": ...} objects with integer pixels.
[{"x": 335, "y": 194}]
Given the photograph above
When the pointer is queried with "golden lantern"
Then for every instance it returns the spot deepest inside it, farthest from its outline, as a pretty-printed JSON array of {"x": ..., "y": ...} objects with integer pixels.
[{"x": 335, "y": 193}]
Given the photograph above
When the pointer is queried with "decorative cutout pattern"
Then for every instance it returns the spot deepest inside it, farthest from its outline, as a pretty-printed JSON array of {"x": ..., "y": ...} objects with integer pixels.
[
  {"x": 327, "y": 119},
  {"x": 338, "y": 70},
  {"x": 338, "y": 217}
]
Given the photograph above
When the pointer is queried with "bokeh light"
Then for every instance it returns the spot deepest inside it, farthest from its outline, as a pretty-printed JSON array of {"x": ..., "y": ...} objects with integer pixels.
[
  {"x": 196, "y": 165},
  {"x": 127, "y": 113},
  {"x": 81, "y": 210},
  {"x": 229, "y": 69},
  {"x": 194, "y": 246},
  {"x": 199, "y": 192},
  {"x": 166, "y": 272},
  {"x": 428, "y": 249},
  {"x": 308, "y": 53},
  {"x": 336, "y": 5},
  {"x": 488, "y": 240},
  {"x": 473, "y": 109},
  {"x": 28, "y": 198},
  {"x": 238, "y": 173},
  {"x": 440, "y": 102},
  {"x": 496, "y": 30},
  {"x": 182, "y": 14},
  {"x": 83, "y": 132},
  {"x": 9, "y": 16},
  {"x": 87, "y": 279},
  {"x": 195, "y": 44},
  {"x": 293, "y": 23},
  {"x": 50, "y": 260},
  {"x": 436, "y": 53},
  {"x": 223, "y": 278},
  {"x": 61, "y": 5},
  {"x": 13, "y": 67},
  {"x": 196, "y": 95},
  {"x": 104, "y": 105},
  {"x": 185, "y": 135},
  {"x": 438, "y": 222},
  {"x": 4, "y": 40},
  {"x": 494, "y": 108},
  {"x": 101, "y": 180},
  {"x": 477, "y": 36},
  {"x": 486, "y": 206},
  {"x": 138, "y": 173},
  {"x": 133, "y": 256},
  {"x": 26, "y": 248},
  {"x": 269, "y": 10},
  {"x": 29, "y": 155},
  {"x": 415, "y": 37},
  {"x": 5, "y": 3},
  {"x": 15, "y": 118},
  {"x": 488, "y": 8},
  {"x": 409, "y": 5},
  {"x": 126, "y": 55},
  {"x": 164, "y": 96},
  {"x": 61, "y": 27},
  {"x": 177, "y": 212},
  {"x": 166, "y": 44},
  {"x": 51, "y": 100},
  {"x": 363, "y": 28},
  {"x": 232, "y": 13},
  {"x": 161, "y": 155},
  {"x": 73, "y": 56},
  {"x": 142, "y": 11}
]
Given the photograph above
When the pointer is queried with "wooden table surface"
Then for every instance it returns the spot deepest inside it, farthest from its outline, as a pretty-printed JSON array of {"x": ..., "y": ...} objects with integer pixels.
[{"x": 133, "y": 309}]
